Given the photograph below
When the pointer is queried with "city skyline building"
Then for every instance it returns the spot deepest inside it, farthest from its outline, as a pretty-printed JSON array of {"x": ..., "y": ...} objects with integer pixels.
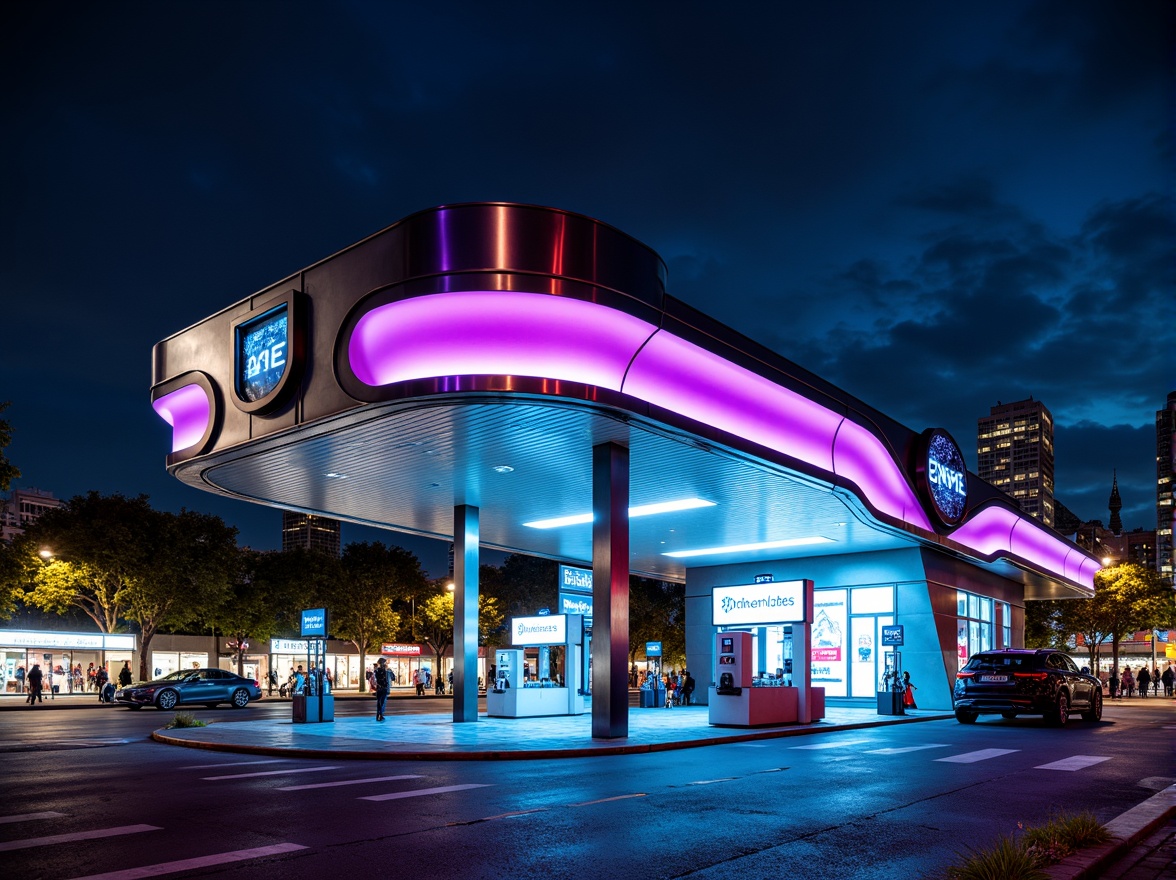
[
  {"x": 308, "y": 532},
  {"x": 1165, "y": 465},
  {"x": 23, "y": 508},
  {"x": 1015, "y": 453}
]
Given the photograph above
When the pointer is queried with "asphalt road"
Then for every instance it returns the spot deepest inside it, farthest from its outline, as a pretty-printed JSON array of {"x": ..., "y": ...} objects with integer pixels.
[{"x": 887, "y": 802}]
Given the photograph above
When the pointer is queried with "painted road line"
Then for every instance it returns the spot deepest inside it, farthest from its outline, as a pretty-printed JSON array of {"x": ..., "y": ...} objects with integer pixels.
[
  {"x": 162, "y": 868},
  {"x": 1076, "y": 762},
  {"x": 269, "y": 773},
  {"x": 234, "y": 764},
  {"x": 833, "y": 745},
  {"x": 421, "y": 792},
  {"x": 905, "y": 749},
  {"x": 973, "y": 757},
  {"x": 29, "y": 817},
  {"x": 92, "y": 834},
  {"x": 713, "y": 781},
  {"x": 499, "y": 816},
  {"x": 349, "y": 782},
  {"x": 619, "y": 797}
]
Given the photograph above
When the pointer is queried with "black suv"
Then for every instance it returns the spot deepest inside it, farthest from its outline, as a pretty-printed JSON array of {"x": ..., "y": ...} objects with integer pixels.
[{"x": 1025, "y": 682}]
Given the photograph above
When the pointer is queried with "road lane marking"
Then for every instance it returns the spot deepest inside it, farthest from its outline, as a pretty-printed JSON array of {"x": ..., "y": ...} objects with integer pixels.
[
  {"x": 499, "y": 816},
  {"x": 1076, "y": 762},
  {"x": 421, "y": 792},
  {"x": 619, "y": 797},
  {"x": 833, "y": 745},
  {"x": 234, "y": 764},
  {"x": 713, "y": 781},
  {"x": 269, "y": 773},
  {"x": 973, "y": 757},
  {"x": 92, "y": 834},
  {"x": 28, "y": 817},
  {"x": 199, "y": 862},
  {"x": 349, "y": 782},
  {"x": 905, "y": 749}
]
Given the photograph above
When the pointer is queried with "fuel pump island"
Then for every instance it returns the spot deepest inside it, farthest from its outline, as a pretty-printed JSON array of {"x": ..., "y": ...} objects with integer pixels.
[
  {"x": 735, "y": 700},
  {"x": 513, "y": 695}
]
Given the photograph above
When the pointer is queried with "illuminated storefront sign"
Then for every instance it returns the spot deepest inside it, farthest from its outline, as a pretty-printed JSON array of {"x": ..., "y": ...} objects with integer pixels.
[
  {"x": 85, "y": 641},
  {"x": 779, "y": 602},
  {"x": 576, "y": 603},
  {"x": 575, "y": 580},
  {"x": 400, "y": 650},
  {"x": 828, "y": 653},
  {"x": 314, "y": 623},
  {"x": 943, "y": 476},
  {"x": 262, "y": 354},
  {"x": 548, "y": 630}
]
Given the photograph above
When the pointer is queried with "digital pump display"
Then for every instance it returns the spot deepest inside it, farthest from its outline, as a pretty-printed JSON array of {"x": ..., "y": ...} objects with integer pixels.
[{"x": 262, "y": 353}]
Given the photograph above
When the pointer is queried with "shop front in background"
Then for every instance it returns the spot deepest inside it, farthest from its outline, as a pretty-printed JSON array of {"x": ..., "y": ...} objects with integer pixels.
[
  {"x": 286, "y": 655},
  {"x": 65, "y": 658}
]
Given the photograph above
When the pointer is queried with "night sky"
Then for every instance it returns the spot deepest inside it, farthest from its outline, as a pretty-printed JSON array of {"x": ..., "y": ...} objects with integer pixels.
[{"x": 935, "y": 206}]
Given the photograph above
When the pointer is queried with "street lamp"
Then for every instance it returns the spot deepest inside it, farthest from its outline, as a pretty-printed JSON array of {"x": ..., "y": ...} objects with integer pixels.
[{"x": 46, "y": 553}]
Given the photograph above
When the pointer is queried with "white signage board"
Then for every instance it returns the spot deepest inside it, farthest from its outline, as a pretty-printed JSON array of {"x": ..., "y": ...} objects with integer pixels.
[
  {"x": 83, "y": 641},
  {"x": 550, "y": 629},
  {"x": 774, "y": 602}
]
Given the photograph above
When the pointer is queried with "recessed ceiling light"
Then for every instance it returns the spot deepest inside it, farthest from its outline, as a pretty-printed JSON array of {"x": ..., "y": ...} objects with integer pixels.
[
  {"x": 334, "y": 476},
  {"x": 503, "y": 469},
  {"x": 748, "y": 548},
  {"x": 634, "y": 512}
]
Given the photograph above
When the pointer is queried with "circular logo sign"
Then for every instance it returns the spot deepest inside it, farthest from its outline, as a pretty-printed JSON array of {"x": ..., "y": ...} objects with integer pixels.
[{"x": 943, "y": 476}]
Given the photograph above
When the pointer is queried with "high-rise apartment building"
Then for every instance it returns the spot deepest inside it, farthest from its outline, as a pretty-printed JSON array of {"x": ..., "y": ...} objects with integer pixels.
[
  {"x": 1165, "y": 477},
  {"x": 310, "y": 532},
  {"x": 22, "y": 508},
  {"x": 1015, "y": 453}
]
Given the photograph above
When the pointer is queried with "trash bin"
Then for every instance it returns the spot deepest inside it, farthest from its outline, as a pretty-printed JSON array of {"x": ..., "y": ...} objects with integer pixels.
[
  {"x": 890, "y": 703},
  {"x": 299, "y": 707},
  {"x": 652, "y": 698}
]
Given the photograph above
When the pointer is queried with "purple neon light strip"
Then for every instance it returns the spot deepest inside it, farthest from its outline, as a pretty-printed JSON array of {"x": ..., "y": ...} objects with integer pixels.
[
  {"x": 538, "y": 335},
  {"x": 187, "y": 410}
]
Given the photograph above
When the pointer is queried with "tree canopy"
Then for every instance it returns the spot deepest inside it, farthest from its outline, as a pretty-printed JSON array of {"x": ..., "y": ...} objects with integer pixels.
[{"x": 8, "y": 471}]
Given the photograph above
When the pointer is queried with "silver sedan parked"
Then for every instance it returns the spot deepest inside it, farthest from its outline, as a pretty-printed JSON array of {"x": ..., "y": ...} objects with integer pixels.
[{"x": 188, "y": 686}]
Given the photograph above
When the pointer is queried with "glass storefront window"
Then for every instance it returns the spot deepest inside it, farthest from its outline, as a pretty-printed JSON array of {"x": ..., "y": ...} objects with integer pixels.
[{"x": 873, "y": 600}]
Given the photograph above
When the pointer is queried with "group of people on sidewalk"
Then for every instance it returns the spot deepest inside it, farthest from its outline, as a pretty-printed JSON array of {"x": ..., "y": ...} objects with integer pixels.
[
  {"x": 1144, "y": 680},
  {"x": 36, "y": 682}
]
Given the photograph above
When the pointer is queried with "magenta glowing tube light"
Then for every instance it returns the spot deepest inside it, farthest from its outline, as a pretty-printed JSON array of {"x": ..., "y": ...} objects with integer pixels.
[
  {"x": 539, "y": 335},
  {"x": 187, "y": 410}
]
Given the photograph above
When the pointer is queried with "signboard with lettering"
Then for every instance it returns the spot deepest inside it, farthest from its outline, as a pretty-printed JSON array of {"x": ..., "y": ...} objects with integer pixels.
[
  {"x": 549, "y": 630},
  {"x": 892, "y": 635},
  {"x": 262, "y": 354},
  {"x": 314, "y": 623},
  {"x": 398, "y": 649},
  {"x": 575, "y": 580},
  {"x": 942, "y": 476},
  {"x": 576, "y": 603},
  {"x": 653, "y": 649},
  {"x": 772, "y": 602}
]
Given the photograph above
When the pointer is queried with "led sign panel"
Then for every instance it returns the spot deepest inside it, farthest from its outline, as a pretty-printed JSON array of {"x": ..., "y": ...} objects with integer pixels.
[
  {"x": 576, "y": 603},
  {"x": 314, "y": 623},
  {"x": 550, "y": 629},
  {"x": 778, "y": 602},
  {"x": 943, "y": 476},
  {"x": 262, "y": 354},
  {"x": 575, "y": 580}
]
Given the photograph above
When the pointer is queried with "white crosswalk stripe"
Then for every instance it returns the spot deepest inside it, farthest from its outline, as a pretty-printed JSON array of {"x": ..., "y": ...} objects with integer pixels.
[
  {"x": 830, "y": 745},
  {"x": 973, "y": 757},
  {"x": 198, "y": 862},
  {"x": 1075, "y": 762},
  {"x": 30, "y": 817},
  {"x": 349, "y": 782},
  {"x": 421, "y": 792},
  {"x": 904, "y": 749},
  {"x": 92, "y": 834},
  {"x": 285, "y": 772}
]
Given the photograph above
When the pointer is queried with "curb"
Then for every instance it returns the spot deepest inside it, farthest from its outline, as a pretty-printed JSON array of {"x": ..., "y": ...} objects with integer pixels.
[
  {"x": 162, "y": 736},
  {"x": 1126, "y": 831}
]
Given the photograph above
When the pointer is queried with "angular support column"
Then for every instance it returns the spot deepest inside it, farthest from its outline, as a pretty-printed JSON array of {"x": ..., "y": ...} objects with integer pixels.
[
  {"x": 610, "y": 591},
  {"x": 465, "y": 613}
]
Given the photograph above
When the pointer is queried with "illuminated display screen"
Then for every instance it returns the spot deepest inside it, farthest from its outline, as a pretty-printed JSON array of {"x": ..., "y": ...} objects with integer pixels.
[
  {"x": 946, "y": 477},
  {"x": 262, "y": 354}
]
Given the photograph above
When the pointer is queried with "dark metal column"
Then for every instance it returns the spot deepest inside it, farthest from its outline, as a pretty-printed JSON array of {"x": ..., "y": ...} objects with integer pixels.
[
  {"x": 465, "y": 613},
  {"x": 610, "y": 591}
]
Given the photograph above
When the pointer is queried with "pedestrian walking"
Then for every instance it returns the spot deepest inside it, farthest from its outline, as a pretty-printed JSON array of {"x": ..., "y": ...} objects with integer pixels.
[
  {"x": 35, "y": 678},
  {"x": 1128, "y": 682},
  {"x": 1143, "y": 680},
  {"x": 20, "y": 679},
  {"x": 908, "y": 692},
  {"x": 1113, "y": 684},
  {"x": 1167, "y": 677},
  {"x": 381, "y": 679},
  {"x": 272, "y": 680},
  {"x": 124, "y": 675},
  {"x": 1155, "y": 680}
]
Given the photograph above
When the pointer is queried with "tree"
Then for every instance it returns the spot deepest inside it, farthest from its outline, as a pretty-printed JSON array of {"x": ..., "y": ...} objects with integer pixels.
[
  {"x": 524, "y": 584},
  {"x": 360, "y": 601},
  {"x": 435, "y": 620},
  {"x": 98, "y": 545},
  {"x": 1127, "y": 598},
  {"x": 657, "y": 613},
  {"x": 192, "y": 561},
  {"x": 8, "y": 471},
  {"x": 1045, "y": 625},
  {"x": 269, "y": 591}
]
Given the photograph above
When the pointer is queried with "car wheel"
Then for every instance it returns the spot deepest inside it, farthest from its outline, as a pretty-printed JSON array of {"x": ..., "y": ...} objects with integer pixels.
[
  {"x": 240, "y": 698},
  {"x": 1008, "y": 716},
  {"x": 167, "y": 700},
  {"x": 963, "y": 716},
  {"x": 1060, "y": 715},
  {"x": 1094, "y": 713}
]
